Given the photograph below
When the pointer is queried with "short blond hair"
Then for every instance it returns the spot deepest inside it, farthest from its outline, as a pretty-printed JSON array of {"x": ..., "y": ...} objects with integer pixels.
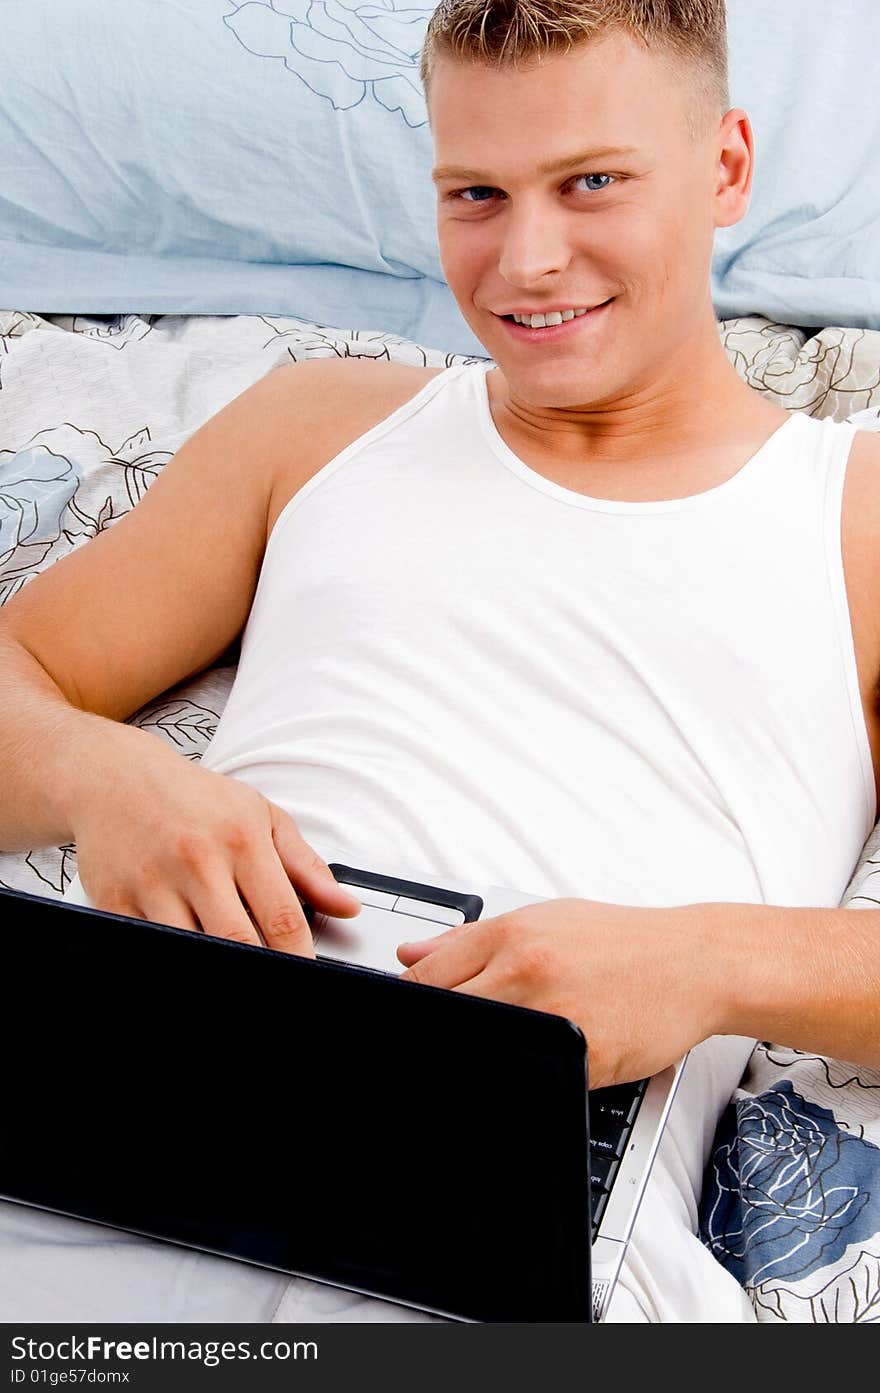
[{"x": 499, "y": 33}]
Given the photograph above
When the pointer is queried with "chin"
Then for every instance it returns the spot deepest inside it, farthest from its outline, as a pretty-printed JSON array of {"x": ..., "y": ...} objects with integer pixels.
[{"x": 559, "y": 386}]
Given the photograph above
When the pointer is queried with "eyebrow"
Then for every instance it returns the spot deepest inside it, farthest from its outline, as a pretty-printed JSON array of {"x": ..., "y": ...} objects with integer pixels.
[{"x": 599, "y": 152}]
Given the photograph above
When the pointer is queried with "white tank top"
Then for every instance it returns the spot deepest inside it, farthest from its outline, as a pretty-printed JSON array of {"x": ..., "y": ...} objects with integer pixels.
[{"x": 455, "y": 665}]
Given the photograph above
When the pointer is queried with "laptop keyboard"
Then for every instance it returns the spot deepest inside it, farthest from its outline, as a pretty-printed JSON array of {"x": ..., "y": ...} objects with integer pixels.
[{"x": 612, "y": 1114}]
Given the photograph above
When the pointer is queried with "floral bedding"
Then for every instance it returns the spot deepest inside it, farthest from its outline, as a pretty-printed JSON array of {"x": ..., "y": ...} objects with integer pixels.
[{"x": 92, "y": 408}]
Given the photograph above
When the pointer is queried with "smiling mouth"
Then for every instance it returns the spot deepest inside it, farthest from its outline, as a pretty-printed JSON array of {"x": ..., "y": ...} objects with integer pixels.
[{"x": 510, "y": 319}]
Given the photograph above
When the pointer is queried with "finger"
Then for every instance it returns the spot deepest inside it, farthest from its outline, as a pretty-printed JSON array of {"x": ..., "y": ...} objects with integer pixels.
[
  {"x": 451, "y": 964},
  {"x": 512, "y": 991},
  {"x": 213, "y": 898},
  {"x": 485, "y": 984},
  {"x": 273, "y": 903},
  {"x": 489, "y": 929},
  {"x": 411, "y": 952},
  {"x": 415, "y": 948},
  {"x": 163, "y": 906},
  {"x": 311, "y": 875}
]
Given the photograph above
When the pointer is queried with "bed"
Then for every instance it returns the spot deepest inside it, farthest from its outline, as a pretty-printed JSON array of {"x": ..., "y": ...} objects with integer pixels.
[{"x": 138, "y": 310}]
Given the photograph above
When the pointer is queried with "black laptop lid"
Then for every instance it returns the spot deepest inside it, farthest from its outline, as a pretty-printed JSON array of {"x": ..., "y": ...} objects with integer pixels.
[{"x": 325, "y": 1120}]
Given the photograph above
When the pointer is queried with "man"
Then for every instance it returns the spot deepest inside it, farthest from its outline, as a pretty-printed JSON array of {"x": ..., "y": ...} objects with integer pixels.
[{"x": 576, "y": 625}]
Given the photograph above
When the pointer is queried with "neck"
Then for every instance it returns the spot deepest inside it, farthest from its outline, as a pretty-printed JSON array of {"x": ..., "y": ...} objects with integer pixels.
[{"x": 693, "y": 398}]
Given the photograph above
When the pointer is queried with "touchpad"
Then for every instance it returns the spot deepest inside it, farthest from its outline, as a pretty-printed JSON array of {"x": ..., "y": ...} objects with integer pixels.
[
  {"x": 394, "y": 911},
  {"x": 372, "y": 937}
]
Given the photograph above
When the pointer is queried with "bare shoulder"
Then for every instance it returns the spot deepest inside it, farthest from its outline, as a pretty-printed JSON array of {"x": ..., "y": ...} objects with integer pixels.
[
  {"x": 861, "y": 500},
  {"x": 334, "y": 401},
  {"x": 860, "y": 540},
  {"x": 863, "y": 469}
]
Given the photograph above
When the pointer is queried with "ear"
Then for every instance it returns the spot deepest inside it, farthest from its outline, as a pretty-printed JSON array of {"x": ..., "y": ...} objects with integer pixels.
[{"x": 735, "y": 163}]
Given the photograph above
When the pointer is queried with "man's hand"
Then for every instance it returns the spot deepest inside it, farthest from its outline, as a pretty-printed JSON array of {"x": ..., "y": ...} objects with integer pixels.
[
  {"x": 638, "y": 982},
  {"x": 162, "y": 839}
]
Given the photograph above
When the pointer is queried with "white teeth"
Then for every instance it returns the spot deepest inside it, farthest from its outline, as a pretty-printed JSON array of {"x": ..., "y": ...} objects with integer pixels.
[{"x": 539, "y": 321}]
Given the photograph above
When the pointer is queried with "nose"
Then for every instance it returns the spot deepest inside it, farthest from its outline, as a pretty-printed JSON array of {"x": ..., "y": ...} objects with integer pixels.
[{"x": 535, "y": 245}]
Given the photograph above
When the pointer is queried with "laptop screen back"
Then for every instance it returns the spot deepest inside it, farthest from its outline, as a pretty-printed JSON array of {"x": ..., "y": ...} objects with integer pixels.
[{"x": 416, "y": 1144}]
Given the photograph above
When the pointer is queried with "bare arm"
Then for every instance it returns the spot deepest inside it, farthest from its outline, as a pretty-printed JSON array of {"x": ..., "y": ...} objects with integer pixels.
[
  {"x": 645, "y": 985},
  {"x": 50, "y": 752},
  {"x": 807, "y": 978},
  {"x": 157, "y": 836}
]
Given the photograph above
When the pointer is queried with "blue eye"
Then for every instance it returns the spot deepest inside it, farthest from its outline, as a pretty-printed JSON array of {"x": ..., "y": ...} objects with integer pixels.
[
  {"x": 596, "y": 176},
  {"x": 487, "y": 189}
]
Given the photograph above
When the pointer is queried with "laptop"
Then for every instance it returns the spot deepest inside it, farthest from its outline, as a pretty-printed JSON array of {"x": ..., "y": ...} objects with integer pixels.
[
  {"x": 625, "y": 1121},
  {"x": 320, "y": 1117}
]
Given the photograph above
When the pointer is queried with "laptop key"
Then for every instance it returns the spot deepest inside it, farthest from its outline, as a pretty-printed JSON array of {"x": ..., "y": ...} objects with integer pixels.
[
  {"x": 598, "y": 1209},
  {"x": 602, "y": 1172},
  {"x": 611, "y": 1145},
  {"x": 618, "y": 1104},
  {"x": 607, "y": 1147}
]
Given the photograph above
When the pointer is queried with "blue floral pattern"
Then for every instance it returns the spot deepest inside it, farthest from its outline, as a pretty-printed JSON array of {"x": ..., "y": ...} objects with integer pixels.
[
  {"x": 63, "y": 487},
  {"x": 344, "y": 50},
  {"x": 35, "y": 488},
  {"x": 787, "y": 1191}
]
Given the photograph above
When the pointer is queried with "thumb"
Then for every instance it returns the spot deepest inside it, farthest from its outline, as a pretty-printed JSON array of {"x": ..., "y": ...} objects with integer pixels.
[{"x": 309, "y": 874}]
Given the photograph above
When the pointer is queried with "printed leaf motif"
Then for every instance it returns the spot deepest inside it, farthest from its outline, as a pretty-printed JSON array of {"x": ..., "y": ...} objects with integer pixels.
[
  {"x": 849, "y": 1295},
  {"x": 186, "y": 726},
  {"x": 136, "y": 444}
]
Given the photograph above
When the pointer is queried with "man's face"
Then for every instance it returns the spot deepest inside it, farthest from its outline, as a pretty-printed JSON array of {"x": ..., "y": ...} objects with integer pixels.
[{"x": 637, "y": 227}]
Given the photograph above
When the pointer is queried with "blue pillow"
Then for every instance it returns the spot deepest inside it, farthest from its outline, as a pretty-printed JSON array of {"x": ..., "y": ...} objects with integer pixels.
[
  {"x": 165, "y": 157},
  {"x": 808, "y": 250},
  {"x": 274, "y": 156}
]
